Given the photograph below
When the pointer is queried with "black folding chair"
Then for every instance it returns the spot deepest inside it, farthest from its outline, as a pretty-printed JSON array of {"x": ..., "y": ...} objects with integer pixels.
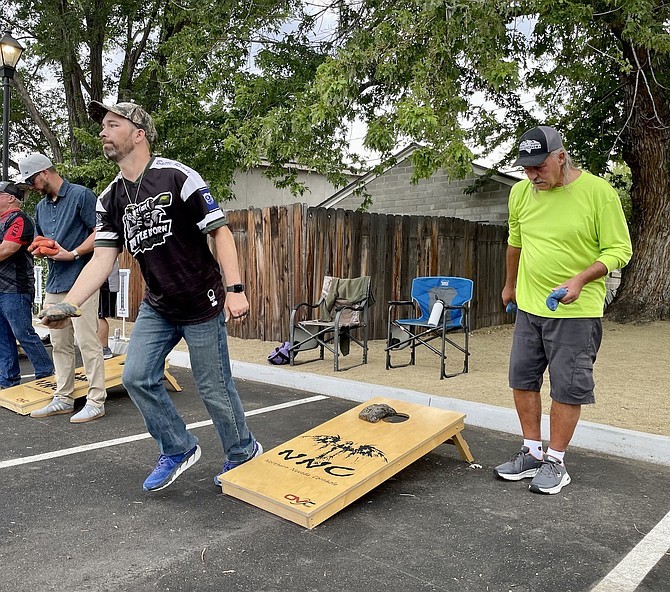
[{"x": 343, "y": 319}]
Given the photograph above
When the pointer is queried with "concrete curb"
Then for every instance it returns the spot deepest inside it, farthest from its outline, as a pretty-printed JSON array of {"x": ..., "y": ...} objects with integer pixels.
[{"x": 597, "y": 437}]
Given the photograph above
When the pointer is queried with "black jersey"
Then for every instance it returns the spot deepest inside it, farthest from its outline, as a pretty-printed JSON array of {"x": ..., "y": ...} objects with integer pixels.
[{"x": 163, "y": 220}]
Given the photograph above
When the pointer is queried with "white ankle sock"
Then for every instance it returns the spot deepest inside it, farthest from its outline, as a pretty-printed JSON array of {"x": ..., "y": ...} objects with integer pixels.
[
  {"x": 556, "y": 454},
  {"x": 535, "y": 447}
]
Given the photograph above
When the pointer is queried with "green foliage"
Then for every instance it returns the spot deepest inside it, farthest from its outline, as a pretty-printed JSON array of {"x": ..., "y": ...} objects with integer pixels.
[
  {"x": 620, "y": 179},
  {"x": 233, "y": 84}
]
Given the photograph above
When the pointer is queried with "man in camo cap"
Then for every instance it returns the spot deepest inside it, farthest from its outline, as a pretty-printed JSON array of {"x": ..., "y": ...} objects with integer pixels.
[
  {"x": 131, "y": 111},
  {"x": 162, "y": 212}
]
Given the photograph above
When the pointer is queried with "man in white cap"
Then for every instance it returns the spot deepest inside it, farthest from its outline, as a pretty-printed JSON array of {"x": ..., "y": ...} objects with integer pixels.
[
  {"x": 162, "y": 211},
  {"x": 66, "y": 214},
  {"x": 17, "y": 291},
  {"x": 567, "y": 230}
]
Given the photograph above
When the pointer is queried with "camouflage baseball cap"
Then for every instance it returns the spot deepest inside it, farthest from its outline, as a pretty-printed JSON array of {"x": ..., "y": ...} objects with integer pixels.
[{"x": 131, "y": 111}]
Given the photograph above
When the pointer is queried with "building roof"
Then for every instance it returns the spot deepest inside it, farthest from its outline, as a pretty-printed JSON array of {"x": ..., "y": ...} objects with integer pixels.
[{"x": 404, "y": 154}]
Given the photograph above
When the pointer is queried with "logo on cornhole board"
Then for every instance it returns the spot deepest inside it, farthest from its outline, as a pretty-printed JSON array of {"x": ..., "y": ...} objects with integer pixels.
[{"x": 316, "y": 474}]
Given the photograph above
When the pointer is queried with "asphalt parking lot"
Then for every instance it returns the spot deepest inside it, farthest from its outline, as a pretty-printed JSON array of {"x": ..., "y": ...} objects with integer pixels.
[{"x": 74, "y": 516}]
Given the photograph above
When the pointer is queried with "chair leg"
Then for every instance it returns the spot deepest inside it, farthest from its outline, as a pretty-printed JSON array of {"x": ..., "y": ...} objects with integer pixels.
[
  {"x": 466, "y": 362},
  {"x": 291, "y": 352},
  {"x": 442, "y": 361},
  {"x": 336, "y": 348}
]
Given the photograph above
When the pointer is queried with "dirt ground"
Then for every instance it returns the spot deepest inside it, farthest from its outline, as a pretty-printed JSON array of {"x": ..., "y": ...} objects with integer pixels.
[{"x": 632, "y": 372}]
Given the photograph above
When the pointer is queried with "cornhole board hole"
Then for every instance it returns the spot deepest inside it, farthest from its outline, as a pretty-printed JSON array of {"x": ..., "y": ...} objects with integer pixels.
[
  {"x": 29, "y": 396},
  {"x": 315, "y": 475}
]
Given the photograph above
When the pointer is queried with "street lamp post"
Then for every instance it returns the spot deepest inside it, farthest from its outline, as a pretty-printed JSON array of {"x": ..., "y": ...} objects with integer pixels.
[{"x": 11, "y": 51}]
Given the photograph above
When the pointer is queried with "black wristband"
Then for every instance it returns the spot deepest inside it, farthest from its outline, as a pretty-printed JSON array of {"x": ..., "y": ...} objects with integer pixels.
[{"x": 237, "y": 288}]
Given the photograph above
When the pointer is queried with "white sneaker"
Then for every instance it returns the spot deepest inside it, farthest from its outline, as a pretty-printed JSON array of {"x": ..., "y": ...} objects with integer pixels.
[
  {"x": 56, "y": 407},
  {"x": 88, "y": 413}
]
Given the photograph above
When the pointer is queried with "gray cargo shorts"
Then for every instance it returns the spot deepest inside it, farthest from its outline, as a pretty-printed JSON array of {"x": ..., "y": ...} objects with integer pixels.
[{"x": 567, "y": 346}]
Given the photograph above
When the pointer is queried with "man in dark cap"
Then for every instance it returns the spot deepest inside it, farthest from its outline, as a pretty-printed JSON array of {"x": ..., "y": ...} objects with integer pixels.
[
  {"x": 567, "y": 231},
  {"x": 162, "y": 211},
  {"x": 17, "y": 291}
]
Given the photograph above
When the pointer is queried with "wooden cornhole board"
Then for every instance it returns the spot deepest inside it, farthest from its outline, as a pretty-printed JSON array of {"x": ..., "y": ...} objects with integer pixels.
[
  {"x": 29, "y": 396},
  {"x": 315, "y": 475}
]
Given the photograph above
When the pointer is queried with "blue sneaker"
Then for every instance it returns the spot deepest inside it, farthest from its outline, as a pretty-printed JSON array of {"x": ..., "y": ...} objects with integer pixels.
[
  {"x": 229, "y": 465},
  {"x": 168, "y": 468}
]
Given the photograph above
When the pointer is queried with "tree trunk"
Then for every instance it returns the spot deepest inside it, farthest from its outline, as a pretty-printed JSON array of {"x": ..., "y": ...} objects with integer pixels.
[
  {"x": 645, "y": 291},
  {"x": 36, "y": 116}
]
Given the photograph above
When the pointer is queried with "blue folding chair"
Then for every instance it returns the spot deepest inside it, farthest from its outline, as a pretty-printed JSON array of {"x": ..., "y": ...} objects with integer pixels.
[{"x": 448, "y": 300}]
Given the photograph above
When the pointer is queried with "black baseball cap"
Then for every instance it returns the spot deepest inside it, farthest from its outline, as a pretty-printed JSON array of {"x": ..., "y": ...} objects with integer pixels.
[
  {"x": 536, "y": 144},
  {"x": 12, "y": 189}
]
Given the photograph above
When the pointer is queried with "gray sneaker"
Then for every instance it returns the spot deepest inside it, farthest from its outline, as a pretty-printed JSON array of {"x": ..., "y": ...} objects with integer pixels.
[
  {"x": 88, "y": 413},
  {"x": 107, "y": 353},
  {"x": 551, "y": 477},
  {"x": 522, "y": 465},
  {"x": 56, "y": 407}
]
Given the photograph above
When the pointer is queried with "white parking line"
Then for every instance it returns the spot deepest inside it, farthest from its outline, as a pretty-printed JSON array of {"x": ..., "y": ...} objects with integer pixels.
[
  {"x": 107, "y": 443},
  {"x": 634, "y": 567}
]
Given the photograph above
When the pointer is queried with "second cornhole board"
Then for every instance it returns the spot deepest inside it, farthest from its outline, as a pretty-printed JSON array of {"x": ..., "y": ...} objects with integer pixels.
[
  {"x": 315, "y": 475},
  {"x": 29, "y": 396}
]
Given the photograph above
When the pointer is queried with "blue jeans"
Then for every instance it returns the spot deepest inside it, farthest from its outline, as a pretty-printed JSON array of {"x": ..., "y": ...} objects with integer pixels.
[
  {"x": 152, "y": 339},
  {"x": 16, "y": 322}
]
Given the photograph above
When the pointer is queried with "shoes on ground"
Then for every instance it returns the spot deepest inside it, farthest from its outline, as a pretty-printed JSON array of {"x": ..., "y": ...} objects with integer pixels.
[
  {"x": 229, "y": 465},
  {"x": 522, "y": 465},
  {"x": 551, "y": 477},
  {"x": 168, "y": 468},
  {"x": 107, "y": 353},
  {"x": 88, "y": 413},
  {"x": 57, "y": 407}
]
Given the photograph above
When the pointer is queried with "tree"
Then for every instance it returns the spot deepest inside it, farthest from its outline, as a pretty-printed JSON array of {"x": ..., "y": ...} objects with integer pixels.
[
  {"x": 186, "y": 63},
  {"x": 461, "y": 76}
]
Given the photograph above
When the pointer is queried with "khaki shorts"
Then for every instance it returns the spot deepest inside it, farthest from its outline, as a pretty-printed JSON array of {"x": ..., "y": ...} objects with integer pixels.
[{"x": 568, "y": 347}]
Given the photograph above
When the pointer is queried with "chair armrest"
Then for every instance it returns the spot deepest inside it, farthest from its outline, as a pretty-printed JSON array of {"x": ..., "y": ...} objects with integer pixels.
[
  {"x": 457, "y": 307},
  {"x": 400, "y": 302},
  {"x": 308, "y": 304}
]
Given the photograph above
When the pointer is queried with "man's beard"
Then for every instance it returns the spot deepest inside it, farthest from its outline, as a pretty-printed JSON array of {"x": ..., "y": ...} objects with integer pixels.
[{"x": 116, "y": 153}]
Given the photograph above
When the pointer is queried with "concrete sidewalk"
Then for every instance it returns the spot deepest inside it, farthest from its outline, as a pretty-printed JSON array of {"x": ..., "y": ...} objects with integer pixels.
[{"x": 591, "y": 436}]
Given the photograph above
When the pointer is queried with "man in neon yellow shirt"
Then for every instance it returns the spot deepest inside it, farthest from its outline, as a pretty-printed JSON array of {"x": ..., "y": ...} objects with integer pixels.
[{"x": 567, "y": 231}]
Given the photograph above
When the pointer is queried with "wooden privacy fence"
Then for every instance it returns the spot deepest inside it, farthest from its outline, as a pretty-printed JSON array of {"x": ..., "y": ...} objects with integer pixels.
[{"x": 285, "y": 251}]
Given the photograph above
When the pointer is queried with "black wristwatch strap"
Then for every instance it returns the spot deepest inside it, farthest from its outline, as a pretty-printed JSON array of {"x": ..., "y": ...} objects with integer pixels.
[{"x": 237, "y": 288}]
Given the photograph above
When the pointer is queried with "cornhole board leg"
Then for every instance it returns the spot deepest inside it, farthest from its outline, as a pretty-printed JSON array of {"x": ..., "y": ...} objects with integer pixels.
[
  {"x": 171, "y": 379},
  {"x": 459, "y": 441},
  {"x": 29, "y": 396},
  {"x": 315, "y": 475}
]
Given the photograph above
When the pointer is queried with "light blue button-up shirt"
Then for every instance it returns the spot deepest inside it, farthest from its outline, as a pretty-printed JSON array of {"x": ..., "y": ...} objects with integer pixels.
[{"x": 69, "y": 220}]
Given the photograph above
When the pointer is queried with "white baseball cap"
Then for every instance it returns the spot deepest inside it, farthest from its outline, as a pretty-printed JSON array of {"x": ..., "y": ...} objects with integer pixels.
[{"x": 32, "y": 164}]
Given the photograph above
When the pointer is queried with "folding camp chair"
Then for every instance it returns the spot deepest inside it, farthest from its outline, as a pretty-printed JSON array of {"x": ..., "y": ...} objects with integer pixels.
[
  {"x": 343, "y": 310},
  {"x": 443, "y": 307}
]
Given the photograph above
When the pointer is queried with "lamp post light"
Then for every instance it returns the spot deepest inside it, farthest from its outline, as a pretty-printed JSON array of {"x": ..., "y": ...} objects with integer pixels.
[{"x": 11, "y": 51}]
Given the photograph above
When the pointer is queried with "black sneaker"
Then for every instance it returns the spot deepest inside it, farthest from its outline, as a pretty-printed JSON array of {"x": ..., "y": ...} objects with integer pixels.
[
  {"x": 522, "y": 465},
  {"x": 551, "y": 477}
]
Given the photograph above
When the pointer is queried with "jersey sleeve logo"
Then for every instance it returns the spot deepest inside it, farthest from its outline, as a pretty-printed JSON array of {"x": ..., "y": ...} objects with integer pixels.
[
  {"x": 209, "y": 200},
  {"x": 146, "y": 224}
]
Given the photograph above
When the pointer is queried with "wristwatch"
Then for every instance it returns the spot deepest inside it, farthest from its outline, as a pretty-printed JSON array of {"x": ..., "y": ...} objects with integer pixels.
[
  {"x": 75, "y": 254},
  {"x": 237, "y": 288}
]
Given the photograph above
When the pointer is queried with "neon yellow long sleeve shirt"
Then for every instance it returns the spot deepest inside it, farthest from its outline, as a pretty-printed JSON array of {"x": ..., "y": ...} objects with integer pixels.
[{"x": 561, "y": 232}]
